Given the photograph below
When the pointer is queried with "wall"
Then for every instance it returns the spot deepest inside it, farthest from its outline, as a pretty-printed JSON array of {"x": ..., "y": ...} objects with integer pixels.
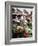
[{"x": 2, "y": 23}]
